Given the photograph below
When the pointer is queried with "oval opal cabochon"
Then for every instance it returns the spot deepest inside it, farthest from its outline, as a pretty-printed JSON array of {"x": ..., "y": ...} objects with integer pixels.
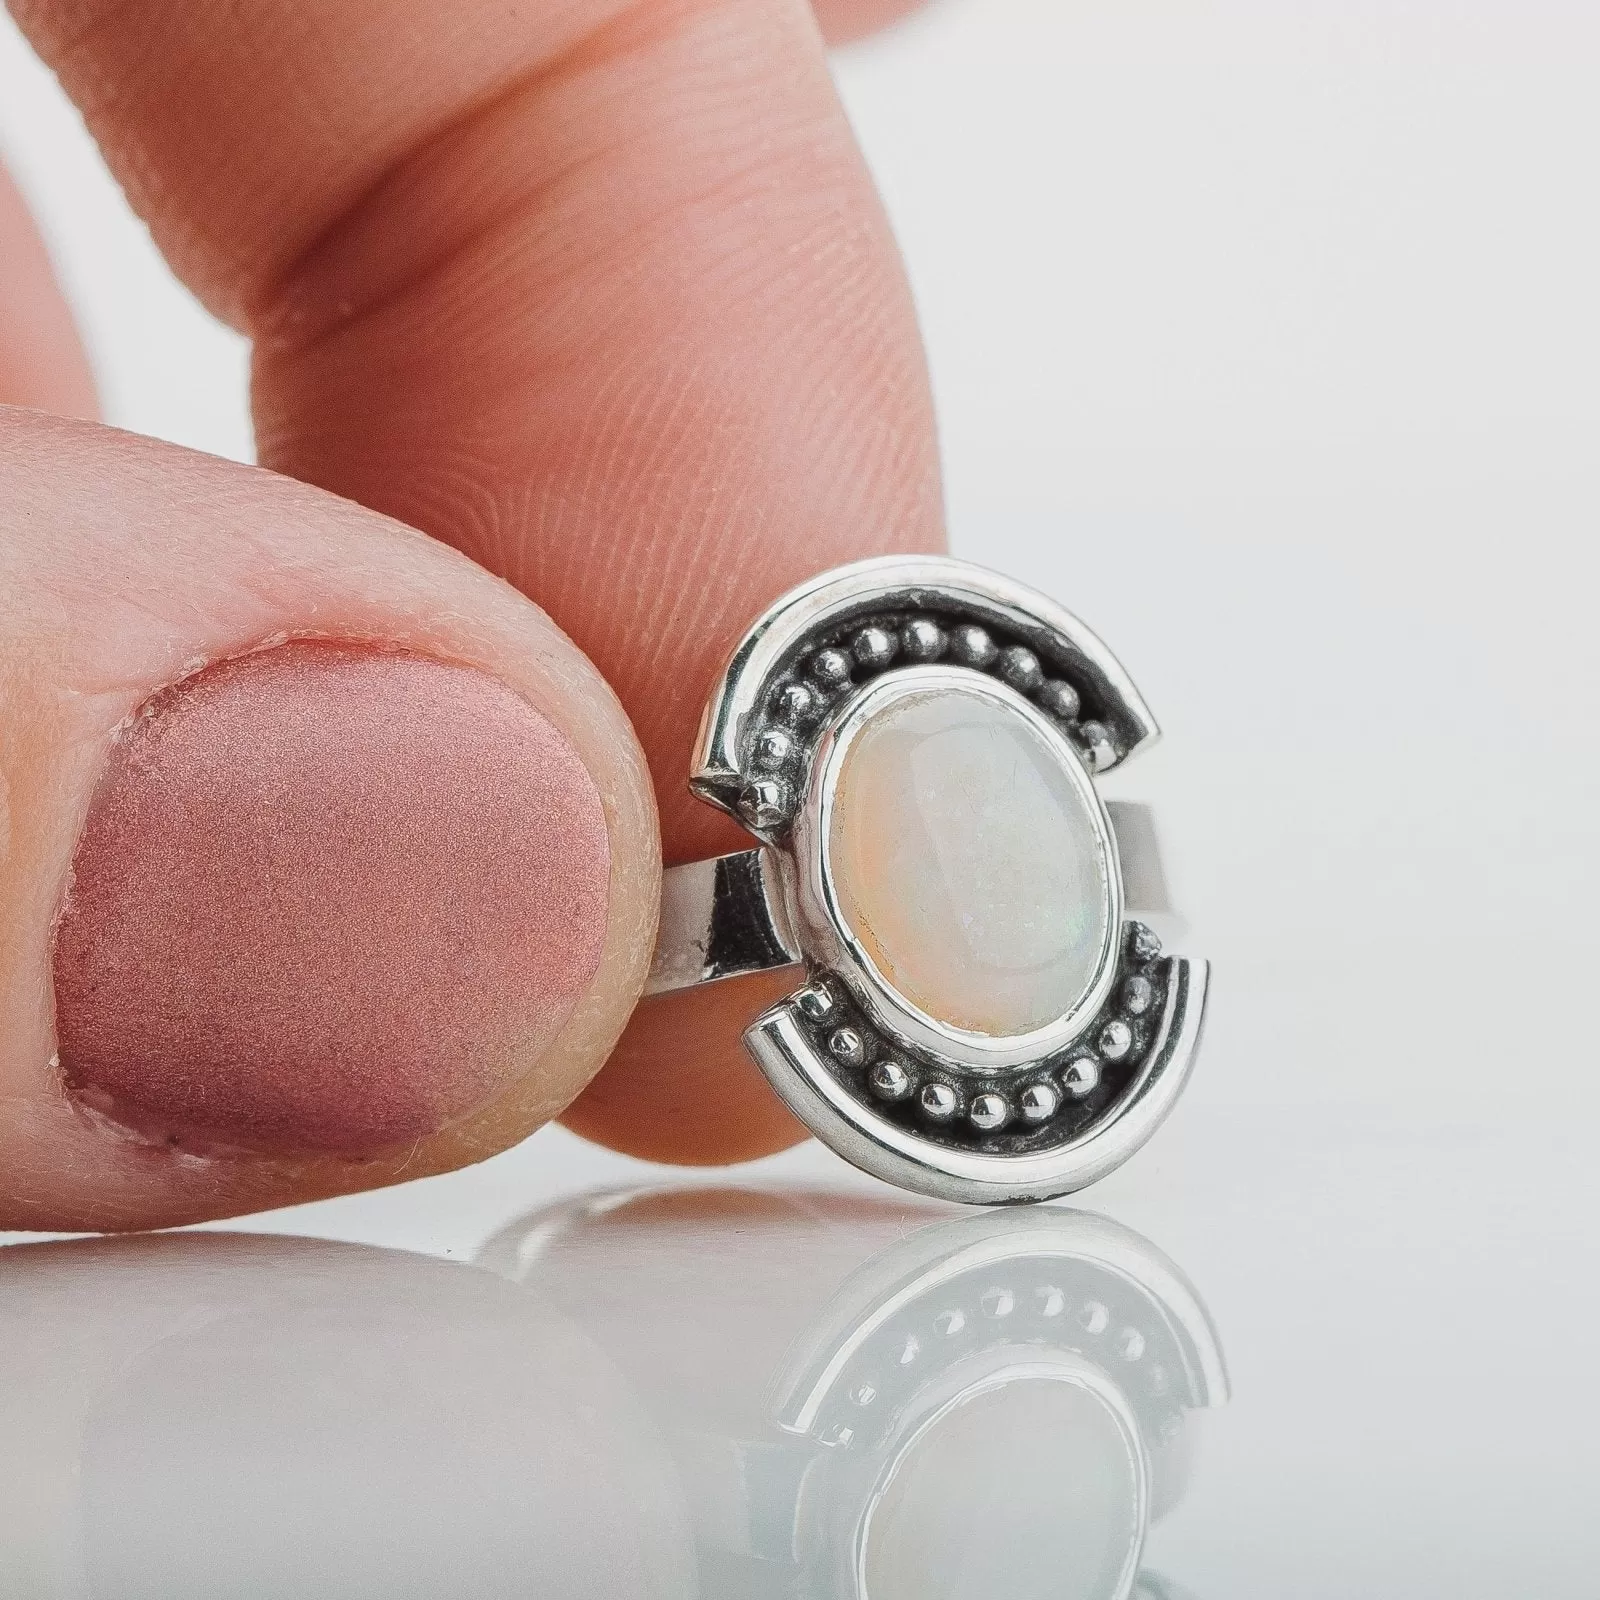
[{"x": 969, "y": 863}]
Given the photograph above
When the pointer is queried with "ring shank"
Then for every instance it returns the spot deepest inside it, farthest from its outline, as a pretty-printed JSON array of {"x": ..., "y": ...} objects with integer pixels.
[{"x": 724, "y": 917}]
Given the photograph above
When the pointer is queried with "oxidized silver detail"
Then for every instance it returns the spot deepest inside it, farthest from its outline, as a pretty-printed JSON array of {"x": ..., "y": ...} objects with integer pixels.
[
  {"x": 1081, "y": 1077},
  {"x": 889, "y": 1079},
  {"x": 911, "y": 1097},
  {"x": 831, "y": 668},
  {"x": 814, "y": 1002},
  {"x": 922, "y": 640},
  {"x": 1116, "y": 1039},
  {"x": 1097, "y": 747},
  {"x": 796, "y": 702},
  {"x": 972, "y": 646},
  {"x": 774, "y": 747},
  {"x": 1038, "y": 1102},
  {"x": 1060, "y": 699},
  {"x": 1137, "y": 995},
  {"x": 989, "y": 1112},
  {"x": 764, "y": 803},
  {"x": 848, "y": 1046},
  {"x": 874, "y": 647},
  {"x": 1020, "y": 668}
]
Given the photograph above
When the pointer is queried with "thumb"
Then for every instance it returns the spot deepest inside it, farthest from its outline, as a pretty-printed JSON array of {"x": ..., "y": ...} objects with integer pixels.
[{"x": 325, "y": 858}]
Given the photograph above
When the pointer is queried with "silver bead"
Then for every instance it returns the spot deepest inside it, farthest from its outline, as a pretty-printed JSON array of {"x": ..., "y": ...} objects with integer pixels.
[
  {"x": 831, "y": 668},
  {"x": 773, "y": 747},
  {"x": 764, "y": 803},
  {"x": 950, "y": 1322},
  {"x": 1094, "y": 1318},
  {"x": 1020, "y": 668},
  {"x": 796, "y": 702},
  {"x": 1094, "y": 739},
  {"x": 1130, "y": 1344},
  {"x": 848, "y": 1046},
  {"x": 972, "y": 646},
  {"x": 997, "y": 1303},
  {"x": 1081, "y": 1078},
  {"x": 873, "y": 647},
  {"x": 939, "y": 1101},
  {"x": 889, "y": 1080},
  {"x": 1138, "y": 993},
  {"x": 815, "y": 1003},
  {"x": 1116, "y": 1039},
  {"x": 1052, "y": 1302},
  {"x": 1038, "y": 1102},
  {"x": 1146, "y": 947},
  {"x": 922, "y": 640},
  {"x": 989, "y": 1112},
  {"x": 1059, "y": 698}
]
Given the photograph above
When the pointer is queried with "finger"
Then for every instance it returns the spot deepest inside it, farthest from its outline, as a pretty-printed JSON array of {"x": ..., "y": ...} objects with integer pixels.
[
  {"x": 678, "y": 1087},
  {"x": 328, "y": 860},
  {"x": 843, "y": 21},
  {"x": 599, "y": 293},
  {"x": 42, "y": 364}
]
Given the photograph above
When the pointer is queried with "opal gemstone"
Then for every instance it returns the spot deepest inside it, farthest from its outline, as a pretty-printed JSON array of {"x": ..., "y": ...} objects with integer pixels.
[{"x": 969, "y": 864}]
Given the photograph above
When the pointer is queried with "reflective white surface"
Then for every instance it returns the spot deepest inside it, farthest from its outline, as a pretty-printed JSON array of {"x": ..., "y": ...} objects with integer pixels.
[
  {"x": 1264, "y": 336},
  {"x": 646, "y": 1391},
  {"x": 695, "y": 1393}
]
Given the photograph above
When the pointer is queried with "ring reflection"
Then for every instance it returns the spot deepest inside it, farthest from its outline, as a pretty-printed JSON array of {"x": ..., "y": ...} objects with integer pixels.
[
  {"x": 891, "y": 1401},
  {"x": 709, "y": 1393}
]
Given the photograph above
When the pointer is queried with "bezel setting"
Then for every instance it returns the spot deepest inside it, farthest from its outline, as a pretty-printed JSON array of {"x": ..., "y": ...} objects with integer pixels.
[
  {"x": 814, "y": 894},
  {"x": 936, "y": 1108}
]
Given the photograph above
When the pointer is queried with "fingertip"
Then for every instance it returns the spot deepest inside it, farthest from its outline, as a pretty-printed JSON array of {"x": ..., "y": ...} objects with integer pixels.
[
  {"x": 357, "y": 907},
  {"x": 42, "y": 360},
  {"x": 845, "y": 21},
  {"x": 679, "y": 1087}
]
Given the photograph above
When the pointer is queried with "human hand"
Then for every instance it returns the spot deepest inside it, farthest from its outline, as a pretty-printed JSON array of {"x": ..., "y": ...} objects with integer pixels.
[{"x": 599, "y": 296}]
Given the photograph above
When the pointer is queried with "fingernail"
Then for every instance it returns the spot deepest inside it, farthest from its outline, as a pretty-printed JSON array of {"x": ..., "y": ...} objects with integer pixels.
[{"x": 328, "y": 898}]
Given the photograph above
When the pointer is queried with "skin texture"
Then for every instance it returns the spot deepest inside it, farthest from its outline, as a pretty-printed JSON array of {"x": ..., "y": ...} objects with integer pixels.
[
  {"x": 41, "y": 361},
  {"x": 844, "y": 21},
  {"x": 327, "y": 898},
  {"x": 125, "y": 565},
  {"x": 598, "y": 293}
]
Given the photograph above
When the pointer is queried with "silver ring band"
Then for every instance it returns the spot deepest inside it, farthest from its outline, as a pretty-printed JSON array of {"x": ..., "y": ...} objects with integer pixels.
[{"x": 986, "y": 1014}]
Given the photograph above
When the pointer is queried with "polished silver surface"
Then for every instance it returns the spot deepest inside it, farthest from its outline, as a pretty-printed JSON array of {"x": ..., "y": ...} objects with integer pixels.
[
  {"x": 876, "y": 1141},
  {"x": 922, "y": 1099},
  {"x": 784, "y": 672},
  {"x": 720, "y": 919}
]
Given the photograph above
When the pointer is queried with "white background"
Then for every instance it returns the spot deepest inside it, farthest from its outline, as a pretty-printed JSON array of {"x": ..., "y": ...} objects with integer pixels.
[{"x": 1265, "y": 336}]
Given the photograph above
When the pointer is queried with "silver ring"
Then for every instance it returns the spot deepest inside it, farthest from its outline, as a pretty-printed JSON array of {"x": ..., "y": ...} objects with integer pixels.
[{"x": 986, "y": 1013}]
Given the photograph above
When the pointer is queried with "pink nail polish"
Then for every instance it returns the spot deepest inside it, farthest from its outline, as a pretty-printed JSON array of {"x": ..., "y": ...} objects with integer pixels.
[{"x": 328, "y": 898}]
